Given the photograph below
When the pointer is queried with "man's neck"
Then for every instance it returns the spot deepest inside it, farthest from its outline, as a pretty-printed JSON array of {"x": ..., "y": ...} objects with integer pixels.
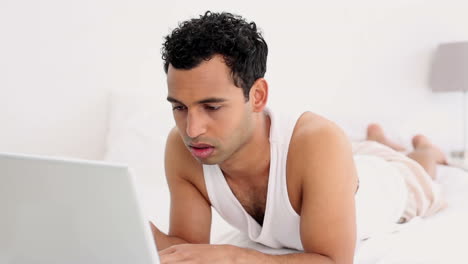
[{"x": 253, "y": 160}]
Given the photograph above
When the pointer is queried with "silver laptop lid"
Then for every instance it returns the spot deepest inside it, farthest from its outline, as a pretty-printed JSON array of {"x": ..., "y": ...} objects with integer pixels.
[{"x": 70, "y": 211}]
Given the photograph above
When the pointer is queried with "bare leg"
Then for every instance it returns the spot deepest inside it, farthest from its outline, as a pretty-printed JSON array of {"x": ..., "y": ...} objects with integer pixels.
[
  {"x": 425, "y": 153},
  {"x": 375, "y": 133}
]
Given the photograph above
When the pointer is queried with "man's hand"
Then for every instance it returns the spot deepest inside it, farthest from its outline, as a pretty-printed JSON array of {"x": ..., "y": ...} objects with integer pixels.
[{"x": 203, "y": 253}]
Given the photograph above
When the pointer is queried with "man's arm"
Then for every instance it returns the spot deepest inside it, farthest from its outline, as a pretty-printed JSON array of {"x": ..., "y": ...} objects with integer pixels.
[
  {"x": 163, "y": 240},
  {"x": 190, "y": 213},
  {"x": 322, "y": 156},
  {"x": 201, "y": 254}
]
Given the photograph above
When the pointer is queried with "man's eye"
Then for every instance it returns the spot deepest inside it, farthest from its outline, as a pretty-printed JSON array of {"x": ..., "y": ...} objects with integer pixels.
[
  {"x": 178, "y": 108},
  {"x": 212, "y": 108}
]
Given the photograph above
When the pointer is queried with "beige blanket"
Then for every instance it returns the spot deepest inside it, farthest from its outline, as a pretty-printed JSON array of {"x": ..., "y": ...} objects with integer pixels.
[{"x": 424, "y": 195}]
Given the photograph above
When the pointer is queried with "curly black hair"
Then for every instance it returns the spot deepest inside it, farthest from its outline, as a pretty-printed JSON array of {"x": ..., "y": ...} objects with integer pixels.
[{"x": 240, "y": 43}]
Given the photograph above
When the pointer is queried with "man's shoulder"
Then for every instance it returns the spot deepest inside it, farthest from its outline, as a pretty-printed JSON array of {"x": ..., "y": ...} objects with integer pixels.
[
  {"x": 313, "y": 128},
  {"x": 314, "y": 136}
]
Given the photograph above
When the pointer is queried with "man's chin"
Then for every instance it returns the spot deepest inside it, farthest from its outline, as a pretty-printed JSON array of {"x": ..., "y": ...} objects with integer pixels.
[
  {"x": 211, "y": 160},
  {"x": 207, "y": 161}
]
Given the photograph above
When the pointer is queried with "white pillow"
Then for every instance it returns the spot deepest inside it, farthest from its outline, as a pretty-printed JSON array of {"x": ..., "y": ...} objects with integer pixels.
[{"x": 138, "y": 127}]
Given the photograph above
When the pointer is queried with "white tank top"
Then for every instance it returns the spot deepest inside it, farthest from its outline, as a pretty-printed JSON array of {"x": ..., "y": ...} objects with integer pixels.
[{"x": 280, "y": 227}]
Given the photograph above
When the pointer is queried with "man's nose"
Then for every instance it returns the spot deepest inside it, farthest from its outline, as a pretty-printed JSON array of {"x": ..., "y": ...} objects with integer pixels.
[{"x": 195, "y": 125}]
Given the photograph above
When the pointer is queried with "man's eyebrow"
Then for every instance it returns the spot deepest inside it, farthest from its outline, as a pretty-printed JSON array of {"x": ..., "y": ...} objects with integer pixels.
[
  {"x": 173, "y": 100},
  {"x": 212, "y": 100},
  {"x": 204, "y": 101}
]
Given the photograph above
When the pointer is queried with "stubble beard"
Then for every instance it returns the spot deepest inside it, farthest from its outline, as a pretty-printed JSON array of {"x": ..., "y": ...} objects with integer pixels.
[{"x": 244, "y": 135}]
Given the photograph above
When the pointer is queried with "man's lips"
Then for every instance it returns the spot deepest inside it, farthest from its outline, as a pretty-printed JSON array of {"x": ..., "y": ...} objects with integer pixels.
[
  {"x": 201, "y": 150},
  {"x": 200, "y": 145}
]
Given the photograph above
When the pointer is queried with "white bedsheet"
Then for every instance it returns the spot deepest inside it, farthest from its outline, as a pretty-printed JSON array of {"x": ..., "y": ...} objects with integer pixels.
[{"x": 442, "y": 238}]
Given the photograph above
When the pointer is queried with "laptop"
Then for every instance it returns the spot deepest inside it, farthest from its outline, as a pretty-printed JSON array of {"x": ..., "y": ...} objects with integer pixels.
[{"x": 56, "y": 211}]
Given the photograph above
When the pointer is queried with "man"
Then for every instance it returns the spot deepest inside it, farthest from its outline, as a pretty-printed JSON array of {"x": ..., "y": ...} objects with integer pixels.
[{"x": 287, "y": 182}]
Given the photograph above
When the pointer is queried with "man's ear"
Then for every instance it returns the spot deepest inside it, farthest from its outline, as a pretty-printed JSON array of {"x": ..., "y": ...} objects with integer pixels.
[{"x": 258, "y": 95}]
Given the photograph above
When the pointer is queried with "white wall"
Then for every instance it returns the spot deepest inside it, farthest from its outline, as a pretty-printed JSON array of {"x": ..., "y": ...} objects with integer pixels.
[{"x": 354, "y": 60}]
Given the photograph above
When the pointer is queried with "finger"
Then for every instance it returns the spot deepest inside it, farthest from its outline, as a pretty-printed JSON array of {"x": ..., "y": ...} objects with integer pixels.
[
  {"x": 167, "y": 251},
  {"x": 172, "y": 259}
]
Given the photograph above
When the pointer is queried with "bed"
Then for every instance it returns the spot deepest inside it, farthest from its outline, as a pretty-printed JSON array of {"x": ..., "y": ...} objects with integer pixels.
[{"x": 130, "y": 128}]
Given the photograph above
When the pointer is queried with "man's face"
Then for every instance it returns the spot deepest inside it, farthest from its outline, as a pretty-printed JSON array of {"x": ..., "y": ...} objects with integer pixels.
[{"x": 209, "y": 110}]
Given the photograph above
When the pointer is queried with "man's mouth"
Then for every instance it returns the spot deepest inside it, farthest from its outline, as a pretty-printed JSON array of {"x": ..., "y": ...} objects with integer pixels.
[{"x": 202, "y": 151}]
